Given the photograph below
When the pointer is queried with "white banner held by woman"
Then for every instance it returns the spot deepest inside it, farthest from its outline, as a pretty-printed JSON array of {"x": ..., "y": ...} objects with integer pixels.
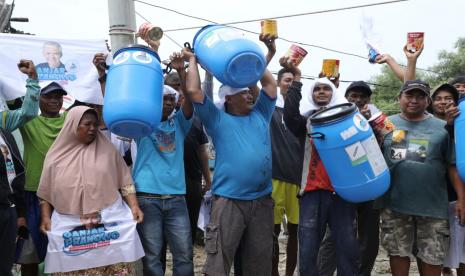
[{"x": 104, "y": 238}]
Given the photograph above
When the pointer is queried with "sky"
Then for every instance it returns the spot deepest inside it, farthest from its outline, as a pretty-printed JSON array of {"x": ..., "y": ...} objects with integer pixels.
[{"x": 442, "y": 22}]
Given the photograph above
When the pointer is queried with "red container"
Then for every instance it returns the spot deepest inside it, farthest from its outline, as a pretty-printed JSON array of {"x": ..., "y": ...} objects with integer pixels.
[
  {"x": 414, "y": 41},
  {"x": 296, "y": 54}
]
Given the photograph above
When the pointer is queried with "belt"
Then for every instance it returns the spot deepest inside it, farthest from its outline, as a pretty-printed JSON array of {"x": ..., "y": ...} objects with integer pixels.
[{"x": 157, "y": 196}]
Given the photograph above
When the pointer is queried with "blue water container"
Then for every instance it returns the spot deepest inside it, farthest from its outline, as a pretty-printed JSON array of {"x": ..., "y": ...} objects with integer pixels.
[
  {"x": 233, "y": 59},
  {"x": 459, "y": 129},
  {"x": 134, "y": 92},
  {"x": 350, "y": 153}
]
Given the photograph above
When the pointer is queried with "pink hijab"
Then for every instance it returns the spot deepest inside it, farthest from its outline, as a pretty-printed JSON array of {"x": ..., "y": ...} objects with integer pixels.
[{"x": 79, "y": 179}]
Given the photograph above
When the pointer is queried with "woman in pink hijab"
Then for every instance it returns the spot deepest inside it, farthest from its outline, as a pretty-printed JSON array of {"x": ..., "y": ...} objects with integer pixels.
[{"x": 91, "y": 230}]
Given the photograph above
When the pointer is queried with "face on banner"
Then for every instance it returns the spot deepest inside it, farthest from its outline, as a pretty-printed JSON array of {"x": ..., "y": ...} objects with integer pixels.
[{"x": 65, "y": 61}]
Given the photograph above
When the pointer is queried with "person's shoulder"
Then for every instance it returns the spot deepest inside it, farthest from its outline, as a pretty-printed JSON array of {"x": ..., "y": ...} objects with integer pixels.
[
  {"x": 436, "y": 122},
  {"x": 42, "y": 65}
]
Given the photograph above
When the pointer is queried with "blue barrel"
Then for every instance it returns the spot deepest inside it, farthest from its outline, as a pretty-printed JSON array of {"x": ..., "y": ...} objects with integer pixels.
[
  {"x": 459, "y": 129},
  {"x": 229, "y": 56},
  {"x": 133, "y": 100},
  {"x": 350, "y": 153}
]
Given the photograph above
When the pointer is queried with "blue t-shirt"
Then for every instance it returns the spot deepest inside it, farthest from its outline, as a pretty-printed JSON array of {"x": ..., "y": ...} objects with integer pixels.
[
  {"x": 159, "y": 167},
  {"x": 243, "y": 148}
]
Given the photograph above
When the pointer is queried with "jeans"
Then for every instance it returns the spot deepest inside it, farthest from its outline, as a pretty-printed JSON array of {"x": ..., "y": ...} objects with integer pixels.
[
  {"x": 165, "y": 218},
  {"x": 317, "y": 210},
  {"x": 8, "y": 231},
  {"x": 368, "y": 238}
]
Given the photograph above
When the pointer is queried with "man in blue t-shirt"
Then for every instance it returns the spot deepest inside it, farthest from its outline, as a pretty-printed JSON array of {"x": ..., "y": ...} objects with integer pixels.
[
  {"x": 161, "y": 187},
  {"x": 242, "y": 212}
]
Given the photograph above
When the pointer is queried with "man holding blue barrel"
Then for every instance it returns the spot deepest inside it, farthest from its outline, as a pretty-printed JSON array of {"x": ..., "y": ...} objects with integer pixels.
[
  {"x": 242, "y": 212},
  {"x": 319, "y": 204},
  {"x": 160, "y": 184}
]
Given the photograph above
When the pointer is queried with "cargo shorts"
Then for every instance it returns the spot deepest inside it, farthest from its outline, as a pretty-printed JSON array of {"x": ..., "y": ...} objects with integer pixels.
[
  {"x": 401, "y": 232},
  {"x": 244, "y": 224}
]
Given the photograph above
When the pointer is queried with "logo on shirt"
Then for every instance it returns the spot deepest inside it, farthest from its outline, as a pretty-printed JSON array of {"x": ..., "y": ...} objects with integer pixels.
[
  {"x": 166, "y": 141},
  {"x": 406, "y": 148}
]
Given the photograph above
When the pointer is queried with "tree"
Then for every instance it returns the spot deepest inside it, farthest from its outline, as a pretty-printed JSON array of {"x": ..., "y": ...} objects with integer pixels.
[
  {"x": 387, "y": 85},
  {"x": 450, "y": 64},
  {"x": 385, "y": 92}
]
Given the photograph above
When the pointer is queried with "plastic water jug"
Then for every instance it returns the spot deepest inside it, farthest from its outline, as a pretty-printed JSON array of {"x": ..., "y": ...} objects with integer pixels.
[
  {"x": 350, "y": 153},
  {"x": 233, "y": 59},
  {"x": 459, "y": 129},
  {"x": 133, "y": 99}
]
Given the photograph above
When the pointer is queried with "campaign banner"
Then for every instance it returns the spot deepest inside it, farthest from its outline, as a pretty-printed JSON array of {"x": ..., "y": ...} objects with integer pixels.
[
  {"x": 92, "y": 240},
  {"x": 66, "y": 61}
]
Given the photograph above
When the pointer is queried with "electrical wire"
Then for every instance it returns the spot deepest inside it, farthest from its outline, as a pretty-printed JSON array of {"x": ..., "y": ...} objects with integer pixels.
[
  {"x": 174, "y": 41},
  {"x": 260, "y": 19},
  {"x": 277, "y": 17}
]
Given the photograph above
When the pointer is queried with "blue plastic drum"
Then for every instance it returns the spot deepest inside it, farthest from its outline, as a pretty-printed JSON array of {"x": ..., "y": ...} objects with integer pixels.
[
  {"x": 350, "y": 153},
  {"x": 229, "y": 56},
  {"x": 459, "y": 129},
  {"x": 134, "y": 92}
]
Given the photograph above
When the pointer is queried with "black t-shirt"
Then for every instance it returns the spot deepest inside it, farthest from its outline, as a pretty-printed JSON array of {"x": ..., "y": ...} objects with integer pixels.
[
  {"x": 287, "y": 151},
  {"x": 194, "y": 139}
]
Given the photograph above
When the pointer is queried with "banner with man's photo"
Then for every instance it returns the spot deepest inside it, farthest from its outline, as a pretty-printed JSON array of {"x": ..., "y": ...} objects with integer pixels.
[
  {"x": 92, "y": 240},
  {"x": 66, "y": 61}
]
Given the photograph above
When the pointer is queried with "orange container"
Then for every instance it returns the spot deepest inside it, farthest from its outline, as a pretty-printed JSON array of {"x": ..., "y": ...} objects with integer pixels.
[
  {"x": 381, "y": 125},
  {"x": 270, "y": 27},
  {"x": 330, "y": 68},
  {"x": 414, "y": 41},
  {"x": 296, "y": 54}
]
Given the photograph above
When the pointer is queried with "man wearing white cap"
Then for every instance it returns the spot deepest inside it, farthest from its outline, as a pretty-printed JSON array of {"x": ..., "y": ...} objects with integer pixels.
[
  {"x": 160, "y": 185},
  {"x": 319, "y": 204},
  {"x": 242, "y": 212}
]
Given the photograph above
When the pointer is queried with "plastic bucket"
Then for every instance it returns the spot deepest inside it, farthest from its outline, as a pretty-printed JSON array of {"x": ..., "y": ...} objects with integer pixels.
[
  {"x": 133, "y": 99},
  {"x": 459, "y": 129},
  {"x": 350, "y": 153},
  {"x": 229, "y": 56}
]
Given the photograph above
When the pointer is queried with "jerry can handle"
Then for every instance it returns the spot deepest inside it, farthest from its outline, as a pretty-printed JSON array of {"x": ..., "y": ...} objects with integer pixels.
[{"x": 316, "y": 135}]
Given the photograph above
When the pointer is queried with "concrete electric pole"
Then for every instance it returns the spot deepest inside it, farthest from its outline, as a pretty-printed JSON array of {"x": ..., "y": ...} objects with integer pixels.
[{"x": 122, "y": 19}]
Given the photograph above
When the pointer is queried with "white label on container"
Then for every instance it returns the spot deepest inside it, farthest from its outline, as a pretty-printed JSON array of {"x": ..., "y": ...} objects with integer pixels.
[
  {"x": 121, "y": 57},
  {"x": 356, "y": 153},
  {"x": 361, "y": 123},
  {"x": 228, "y": 34},
  {"x": 211, "y": 39},
  {"x": 142, "y": 57},
  {"x": 375, "y": 156},
  {"x": 346, "y": 134}
]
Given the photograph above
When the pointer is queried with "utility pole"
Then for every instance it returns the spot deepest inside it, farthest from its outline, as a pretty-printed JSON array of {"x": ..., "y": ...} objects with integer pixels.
[
  {"x": 122, "y": 17},
  {"x": 6, "y": 11}
]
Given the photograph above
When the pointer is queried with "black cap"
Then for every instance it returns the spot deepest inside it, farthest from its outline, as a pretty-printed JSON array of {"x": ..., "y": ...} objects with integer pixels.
[
  {"x": 359, "y": 86},
  {"x": 458, "y": 79},
  {"x": 416, "y": 85},
  {"x": 447, "y": 87},
  {"x": 53, "y": 86}
]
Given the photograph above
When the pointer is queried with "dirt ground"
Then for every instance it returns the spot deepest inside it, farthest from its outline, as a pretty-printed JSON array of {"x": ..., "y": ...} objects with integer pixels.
[{"x": 381, "y": 265}]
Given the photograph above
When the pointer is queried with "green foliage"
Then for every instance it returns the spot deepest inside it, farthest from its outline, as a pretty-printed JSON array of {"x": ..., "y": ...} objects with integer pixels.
[
  {"x": 449, "y": 65},
  {"x": 386, "y": 91}
]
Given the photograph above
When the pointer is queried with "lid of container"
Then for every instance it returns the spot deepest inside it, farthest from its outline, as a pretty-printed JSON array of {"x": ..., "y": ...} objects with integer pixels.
[
  {"x": 332, "y": 114},
  {"x": 138, "y": 47}
]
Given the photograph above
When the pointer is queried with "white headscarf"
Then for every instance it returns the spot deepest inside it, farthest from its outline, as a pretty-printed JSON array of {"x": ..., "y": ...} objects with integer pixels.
[
  {"x": 336, "y": 98},
  {"x": 226, "y": 90},
  {"x": 168, "y": 90}
]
